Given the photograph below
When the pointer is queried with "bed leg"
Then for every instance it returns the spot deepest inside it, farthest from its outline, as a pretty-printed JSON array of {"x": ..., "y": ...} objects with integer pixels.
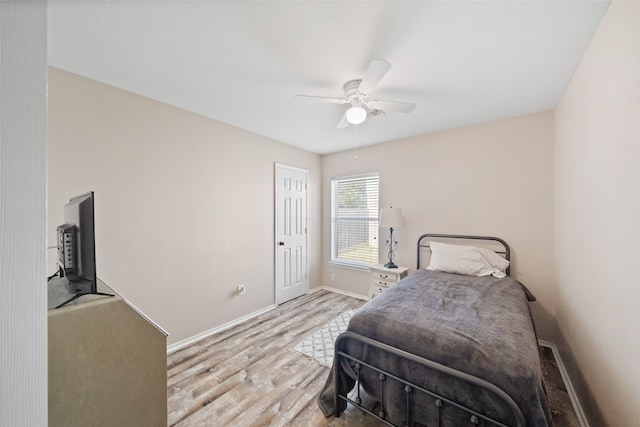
[
  {"x": 358, "y": 399},
  {"x": 382, "y": 378},
  {"x": 407, "y": 391},
  {"x": 439, "y": 405},
  {"x": 336, "y": 366}
]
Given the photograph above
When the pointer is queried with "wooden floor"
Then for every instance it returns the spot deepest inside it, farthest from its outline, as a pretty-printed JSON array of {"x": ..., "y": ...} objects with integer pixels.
[{"x": 249, "y": 376}]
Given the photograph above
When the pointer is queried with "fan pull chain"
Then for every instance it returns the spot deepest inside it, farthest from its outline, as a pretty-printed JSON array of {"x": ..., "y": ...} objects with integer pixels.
[{"x": 355, "y": 145}]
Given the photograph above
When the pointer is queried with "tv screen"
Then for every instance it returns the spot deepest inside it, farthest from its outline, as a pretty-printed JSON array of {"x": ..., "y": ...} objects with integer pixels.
[{"x": 77, "y": 245}]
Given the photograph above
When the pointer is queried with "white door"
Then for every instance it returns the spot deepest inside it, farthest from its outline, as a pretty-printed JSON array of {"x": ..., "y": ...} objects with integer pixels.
[{"x": 291, "y": 233}]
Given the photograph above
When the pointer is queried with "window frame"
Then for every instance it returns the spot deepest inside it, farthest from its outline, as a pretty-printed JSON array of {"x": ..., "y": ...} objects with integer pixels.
[{"x": 334, "y": 258}]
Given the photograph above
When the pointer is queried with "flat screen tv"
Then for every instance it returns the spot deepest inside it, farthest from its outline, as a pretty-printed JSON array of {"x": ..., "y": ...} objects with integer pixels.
[{"x": 77, "y": 247}]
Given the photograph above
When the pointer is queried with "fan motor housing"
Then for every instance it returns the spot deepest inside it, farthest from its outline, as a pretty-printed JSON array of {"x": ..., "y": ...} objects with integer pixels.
[{"x": 351, "y": 87}]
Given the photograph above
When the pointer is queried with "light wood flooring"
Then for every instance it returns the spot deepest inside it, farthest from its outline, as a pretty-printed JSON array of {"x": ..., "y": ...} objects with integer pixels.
[{"x": 249, "y": 375}]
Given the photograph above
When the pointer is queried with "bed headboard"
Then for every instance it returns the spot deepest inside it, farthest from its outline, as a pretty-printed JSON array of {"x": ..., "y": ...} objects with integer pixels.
[{"x": 502, "y": 246}]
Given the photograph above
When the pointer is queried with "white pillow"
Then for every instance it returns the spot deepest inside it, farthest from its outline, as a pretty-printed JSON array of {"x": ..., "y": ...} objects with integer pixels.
[{"x": 467, "y": 260}]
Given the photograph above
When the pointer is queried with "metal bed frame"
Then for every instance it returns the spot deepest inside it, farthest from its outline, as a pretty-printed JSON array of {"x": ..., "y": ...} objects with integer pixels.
[{"x": 416, "y": 391}]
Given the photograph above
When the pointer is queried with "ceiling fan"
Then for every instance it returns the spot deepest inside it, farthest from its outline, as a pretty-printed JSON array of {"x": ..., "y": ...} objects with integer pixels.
[{"x": 357, "y": 94}]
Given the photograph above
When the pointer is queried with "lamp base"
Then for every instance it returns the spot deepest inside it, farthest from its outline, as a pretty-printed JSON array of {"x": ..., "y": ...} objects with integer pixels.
[{"x": 390, "y": 264}]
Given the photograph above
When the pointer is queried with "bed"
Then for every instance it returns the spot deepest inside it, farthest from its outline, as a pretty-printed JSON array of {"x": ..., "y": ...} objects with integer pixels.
[{"x": 443, "y": 349}]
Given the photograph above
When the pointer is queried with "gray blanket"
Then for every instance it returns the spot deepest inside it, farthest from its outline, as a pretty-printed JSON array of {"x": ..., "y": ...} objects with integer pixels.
[{"x": 478, "y": 325}]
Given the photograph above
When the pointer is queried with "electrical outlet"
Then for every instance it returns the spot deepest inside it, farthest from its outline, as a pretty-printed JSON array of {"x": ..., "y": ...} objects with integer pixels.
[
  {"x": 333, "y": 277},
  {"x": 241, "y": 290}
]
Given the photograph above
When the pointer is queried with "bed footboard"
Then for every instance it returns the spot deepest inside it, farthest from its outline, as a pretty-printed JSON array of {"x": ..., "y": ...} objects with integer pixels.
[{"x": 413, "y": 391}]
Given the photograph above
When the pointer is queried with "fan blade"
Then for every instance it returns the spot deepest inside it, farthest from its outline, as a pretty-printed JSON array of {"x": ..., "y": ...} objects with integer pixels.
[
  {"x": 343, "y": 123},
  {"x": 392, "y": 106},
  {"x": 322, "y": 99},
  {"x": 376, "y": 71}
]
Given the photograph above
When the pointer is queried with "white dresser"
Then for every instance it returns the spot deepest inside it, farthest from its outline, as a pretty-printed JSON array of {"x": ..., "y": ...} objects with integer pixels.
[{"x": 383, "y": 278}]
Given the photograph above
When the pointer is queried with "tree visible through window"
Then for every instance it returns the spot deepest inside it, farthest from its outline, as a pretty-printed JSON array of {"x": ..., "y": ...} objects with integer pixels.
[{"x": 354, "y": 220}]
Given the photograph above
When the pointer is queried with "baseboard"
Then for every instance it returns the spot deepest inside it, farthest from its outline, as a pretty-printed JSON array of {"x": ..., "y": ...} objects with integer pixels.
[
  {"x": 582, "y": 419},
  {"x": 188, "y": 341},
  {"x": 339, "y": 291}
]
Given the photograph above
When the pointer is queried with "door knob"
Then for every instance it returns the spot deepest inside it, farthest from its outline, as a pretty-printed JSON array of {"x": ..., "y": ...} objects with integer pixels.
[{"x": 281, "y": 243}]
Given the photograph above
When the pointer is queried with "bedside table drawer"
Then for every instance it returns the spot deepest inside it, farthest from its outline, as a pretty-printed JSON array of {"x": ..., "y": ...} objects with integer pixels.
[
  {"x": 387, "y": 277},
  {"x": 377, "y": 289},
  {"x": 377, "y": 283}
]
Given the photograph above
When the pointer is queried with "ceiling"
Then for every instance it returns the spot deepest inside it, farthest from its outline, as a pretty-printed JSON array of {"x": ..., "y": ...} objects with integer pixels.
[{"x": 243, "y": 62}]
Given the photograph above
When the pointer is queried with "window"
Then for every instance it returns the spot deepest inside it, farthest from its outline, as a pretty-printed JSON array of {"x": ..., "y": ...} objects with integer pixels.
[{"x": 354, "y": 220}]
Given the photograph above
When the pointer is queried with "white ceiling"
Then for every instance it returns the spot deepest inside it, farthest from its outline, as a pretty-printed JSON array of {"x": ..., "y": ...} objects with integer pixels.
[{"x": 242, "y": 62}]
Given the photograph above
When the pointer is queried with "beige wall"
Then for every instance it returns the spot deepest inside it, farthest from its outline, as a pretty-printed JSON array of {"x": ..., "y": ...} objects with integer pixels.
[
  {"x": 184, "y": 204},
  {"x": 489, "y": 179},
  {"x": 597, "y": 219}
]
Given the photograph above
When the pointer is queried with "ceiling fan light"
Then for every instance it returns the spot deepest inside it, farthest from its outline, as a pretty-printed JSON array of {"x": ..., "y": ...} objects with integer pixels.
[{"x": 356, "y": 115}]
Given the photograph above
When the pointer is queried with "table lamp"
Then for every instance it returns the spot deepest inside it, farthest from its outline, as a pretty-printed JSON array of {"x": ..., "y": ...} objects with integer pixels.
[{"x": 390, "y": 218}]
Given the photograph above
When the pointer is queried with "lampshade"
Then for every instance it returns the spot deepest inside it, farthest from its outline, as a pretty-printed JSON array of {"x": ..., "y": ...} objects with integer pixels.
[
  {"x": 390, "y": 217},
  {"x": 356, "y": 115}
]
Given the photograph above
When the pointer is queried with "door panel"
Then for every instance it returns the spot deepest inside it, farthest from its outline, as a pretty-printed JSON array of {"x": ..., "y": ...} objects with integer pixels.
[{"x": 291, "y": 233}]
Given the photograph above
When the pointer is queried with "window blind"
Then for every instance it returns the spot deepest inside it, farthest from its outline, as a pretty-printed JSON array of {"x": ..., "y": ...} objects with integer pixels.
[{"x": 354, "y": 219}]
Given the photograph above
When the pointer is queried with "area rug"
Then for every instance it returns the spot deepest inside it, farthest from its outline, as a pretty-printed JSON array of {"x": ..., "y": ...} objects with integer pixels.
[{"x": 319, "y": 345}]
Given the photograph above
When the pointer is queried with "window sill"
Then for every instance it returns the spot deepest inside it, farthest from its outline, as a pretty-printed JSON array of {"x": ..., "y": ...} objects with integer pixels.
[{"x": 359, "y": 267}]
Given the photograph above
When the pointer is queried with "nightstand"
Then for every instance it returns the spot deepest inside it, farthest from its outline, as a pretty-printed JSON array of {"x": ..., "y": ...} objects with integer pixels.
[{"x": 383, "y": 278}]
